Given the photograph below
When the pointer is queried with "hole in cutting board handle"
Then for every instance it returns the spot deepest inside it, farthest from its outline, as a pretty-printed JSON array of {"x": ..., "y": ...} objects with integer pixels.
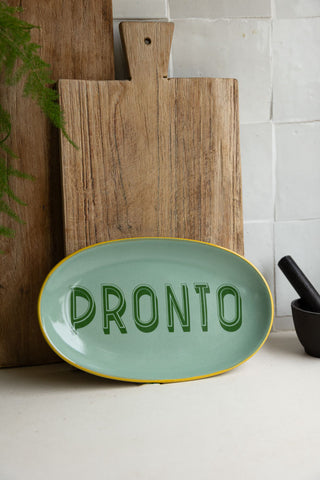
[{"x": 147, "y": 41}]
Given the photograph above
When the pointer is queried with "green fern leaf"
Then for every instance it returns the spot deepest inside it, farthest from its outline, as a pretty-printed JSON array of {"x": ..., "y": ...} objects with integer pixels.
[{"x": 20, "y": 62}]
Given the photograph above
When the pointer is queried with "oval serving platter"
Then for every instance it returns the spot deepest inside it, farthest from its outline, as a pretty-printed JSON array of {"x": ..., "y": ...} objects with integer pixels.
[{"x": 155, "y": 309}]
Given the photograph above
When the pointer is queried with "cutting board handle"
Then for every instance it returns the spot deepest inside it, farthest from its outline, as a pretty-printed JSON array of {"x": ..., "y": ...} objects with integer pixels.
[{"x": 147, "y": 46}]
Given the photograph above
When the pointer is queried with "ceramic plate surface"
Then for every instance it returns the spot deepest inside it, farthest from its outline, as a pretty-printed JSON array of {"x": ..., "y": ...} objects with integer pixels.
[{"x": 155, "y": 309}]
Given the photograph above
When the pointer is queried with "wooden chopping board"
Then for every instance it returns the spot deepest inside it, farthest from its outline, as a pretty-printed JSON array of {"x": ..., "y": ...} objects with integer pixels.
[
  {"x": 158, "y": 156},
  {"x": 76, "y": 38}
]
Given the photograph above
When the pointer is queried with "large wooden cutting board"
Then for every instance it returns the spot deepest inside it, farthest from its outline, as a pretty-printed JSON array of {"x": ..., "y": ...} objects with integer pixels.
[
  {"x": 158, "y": 156},
  {"x": 76, "y": 39}
]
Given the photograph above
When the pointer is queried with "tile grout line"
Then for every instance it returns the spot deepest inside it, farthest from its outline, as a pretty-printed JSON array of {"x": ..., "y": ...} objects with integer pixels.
[
  {"x": 279, "y": 122},
  {"x": 292, "y": 220},
  {"x": 294, "y": 122},
  {"x": 273, "y": 160},
  {"x": 217, "y": 19},
  {"x": 244, "y": 18},
  {"x": 140, "y": 19},
  {"x": 167, "y": 8},
  {"x": 170, "y": 70},
  {"x": 259, "y": 221}
]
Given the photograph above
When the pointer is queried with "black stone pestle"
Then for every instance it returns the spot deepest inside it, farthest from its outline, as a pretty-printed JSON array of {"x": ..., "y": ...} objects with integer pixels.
[{"x": 309, "y": 295}]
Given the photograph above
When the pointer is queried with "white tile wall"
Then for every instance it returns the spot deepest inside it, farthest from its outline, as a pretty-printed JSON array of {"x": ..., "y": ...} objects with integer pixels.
[
  {"x": 300, "y": 240},
  {"x": 296, "y": 76},
  {"x": 219, "y": 9},
  {"x": 298, "y": 172},
  {"x": 141, "y": 9},
  {"x": 297, "y": 8},
  {"x": 283, "y": 323},
  {"x": 258, "y": 240},
  {"x": 272, "y": 47},
  {"x": 257, "y": 171},
  {"x": 228, "y": 48}
]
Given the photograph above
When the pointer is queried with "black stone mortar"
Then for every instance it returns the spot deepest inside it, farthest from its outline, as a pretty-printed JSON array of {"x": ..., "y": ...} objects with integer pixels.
[
  {"x": 307, "y": 325},
  {"x": 305, "y": 310}
]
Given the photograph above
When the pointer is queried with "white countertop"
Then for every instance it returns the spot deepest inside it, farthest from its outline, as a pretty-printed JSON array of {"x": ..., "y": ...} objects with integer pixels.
[{"x": 258, "y": 421}]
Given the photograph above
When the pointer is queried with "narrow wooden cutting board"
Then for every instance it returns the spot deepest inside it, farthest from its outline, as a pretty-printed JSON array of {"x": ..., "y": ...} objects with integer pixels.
[
  {"x": 76, "y": 39},
  {"x": 158, "y": 156}
]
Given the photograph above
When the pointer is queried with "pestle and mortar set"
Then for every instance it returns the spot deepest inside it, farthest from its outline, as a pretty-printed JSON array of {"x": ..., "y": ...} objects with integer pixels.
[{"x": 306, "y": 309}]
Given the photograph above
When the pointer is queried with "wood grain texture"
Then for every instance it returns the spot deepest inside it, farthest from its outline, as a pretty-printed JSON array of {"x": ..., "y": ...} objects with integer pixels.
[
  {"x": 77, "y": 41},
  {"x": 158, "y": 156}
]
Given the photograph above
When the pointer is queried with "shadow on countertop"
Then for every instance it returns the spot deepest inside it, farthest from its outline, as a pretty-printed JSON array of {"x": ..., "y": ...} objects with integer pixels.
[
  {"x": 66, "y": 378},
  {"x": 286, "y": 343},
  {"x": 55, "y": 377}
]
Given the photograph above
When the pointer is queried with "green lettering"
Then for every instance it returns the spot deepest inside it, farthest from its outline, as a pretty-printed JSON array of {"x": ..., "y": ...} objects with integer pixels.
[
  {"x": 79, "y": 321},
  {"x": 234, "y": 323},
  {"x": 115, "y": 313},
  {"x": 183, "y": 312},
  {"x": 152, "y": 324},
  {"x": 202, "y": 289}
]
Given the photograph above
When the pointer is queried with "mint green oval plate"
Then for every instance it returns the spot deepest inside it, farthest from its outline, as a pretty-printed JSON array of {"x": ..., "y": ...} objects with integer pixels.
[{"x": 155, "y": 309}]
